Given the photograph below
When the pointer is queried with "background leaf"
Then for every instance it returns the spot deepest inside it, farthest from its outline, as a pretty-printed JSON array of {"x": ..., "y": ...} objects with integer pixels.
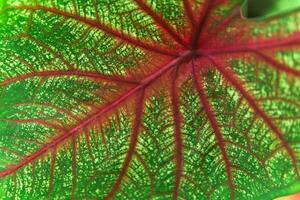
[{"x": 268, "y": 8}]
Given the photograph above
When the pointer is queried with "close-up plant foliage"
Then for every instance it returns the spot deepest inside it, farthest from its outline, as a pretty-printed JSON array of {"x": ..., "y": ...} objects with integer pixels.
[{"x": 149, "y": 99}]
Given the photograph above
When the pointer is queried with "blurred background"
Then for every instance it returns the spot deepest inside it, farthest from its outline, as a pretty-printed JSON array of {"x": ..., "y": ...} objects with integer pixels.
[{"x": 268, "y": 8}]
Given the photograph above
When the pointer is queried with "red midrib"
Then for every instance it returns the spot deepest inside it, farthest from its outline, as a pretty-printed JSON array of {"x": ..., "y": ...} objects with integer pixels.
[{"x": 110, "y": 106}]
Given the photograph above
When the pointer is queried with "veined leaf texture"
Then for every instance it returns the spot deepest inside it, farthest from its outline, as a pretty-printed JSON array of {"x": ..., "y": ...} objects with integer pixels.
[{"x": 147, "y": 99}]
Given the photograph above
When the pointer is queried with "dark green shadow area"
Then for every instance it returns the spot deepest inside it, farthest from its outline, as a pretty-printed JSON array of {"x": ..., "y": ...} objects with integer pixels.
[
  {"x": 257, "y": 8},
  {"x": 261, "y": 9}
]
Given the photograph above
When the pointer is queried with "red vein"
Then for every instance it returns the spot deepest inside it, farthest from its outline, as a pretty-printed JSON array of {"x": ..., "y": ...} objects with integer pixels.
[
  {"x": 161, "y": 23},
  {"x": 49, "y": 105},
  {"x": 199, "y": 85},
  {"x": 18, "y": 58},
  {"x": 35, "y": 121},
  {"x": 50, "y": 50},
  {"x": 189, "y": 12},
  {"x": 89, "y": 148},
  {"x": 177, "y": 136},
  {"x": 103, "y": 140},
  {"x": 90, "y": 119},
  {"x": 52, "y": 170},
  {"x": 252, "y": 47},
  {"x": 231, "y": 77},
  {"x": 277, "y": 65},
  {"x": 284, "y": 99},
  {"x": 7, "y": 150},
  {"x": 20, "y": 138},
  {"x": 204, "y": 13},
  {"x": 132, "y": 145},
  {"x": 222, "y": 25},
  {"x": 74, "y": 174},
  {"x": 100, "y": 26},
  {"x": 91, "y": 75},
  {"x": 148, "y": 171},
  {"x": 227, "y": 20}
]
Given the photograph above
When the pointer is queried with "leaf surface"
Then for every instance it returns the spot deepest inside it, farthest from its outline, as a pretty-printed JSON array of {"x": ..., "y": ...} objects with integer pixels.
[{"x": 161, "y": 99}]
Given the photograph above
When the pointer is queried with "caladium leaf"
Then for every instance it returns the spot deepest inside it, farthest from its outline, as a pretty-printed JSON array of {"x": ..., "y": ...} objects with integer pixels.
[{"x": 160, "y": 99}]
